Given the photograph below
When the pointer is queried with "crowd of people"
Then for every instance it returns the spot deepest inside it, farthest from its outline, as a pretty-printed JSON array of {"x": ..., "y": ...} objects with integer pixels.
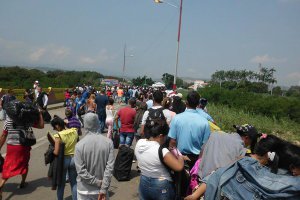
[{"x": 180, "y": 150}]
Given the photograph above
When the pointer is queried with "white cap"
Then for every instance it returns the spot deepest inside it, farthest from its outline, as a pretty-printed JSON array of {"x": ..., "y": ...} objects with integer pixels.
[{"x": 36, "y": 81}]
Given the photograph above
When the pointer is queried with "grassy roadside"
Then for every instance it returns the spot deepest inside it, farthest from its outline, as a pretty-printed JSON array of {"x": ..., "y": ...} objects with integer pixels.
[{"x": 226, "y": 117}]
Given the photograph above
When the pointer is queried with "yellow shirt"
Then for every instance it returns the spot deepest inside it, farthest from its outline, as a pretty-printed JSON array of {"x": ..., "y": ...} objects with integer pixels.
[{"x": 69, "y": 137}]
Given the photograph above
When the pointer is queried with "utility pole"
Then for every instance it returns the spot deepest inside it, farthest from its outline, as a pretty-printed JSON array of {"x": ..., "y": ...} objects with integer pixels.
[{"x": 124, "y": 63}]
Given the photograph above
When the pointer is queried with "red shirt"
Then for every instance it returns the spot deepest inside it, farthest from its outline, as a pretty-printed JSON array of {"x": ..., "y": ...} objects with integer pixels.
[{"x": 127, "y": 116}]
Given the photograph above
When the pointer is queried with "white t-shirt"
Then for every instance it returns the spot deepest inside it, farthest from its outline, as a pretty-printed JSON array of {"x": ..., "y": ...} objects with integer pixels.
[
  {"x": 148, "y": 160},
  {"x": 166, "y": 112}
]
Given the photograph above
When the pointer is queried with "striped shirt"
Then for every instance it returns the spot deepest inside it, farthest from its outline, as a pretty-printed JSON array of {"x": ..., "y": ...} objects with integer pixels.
[{"x": 13, "y": 131}]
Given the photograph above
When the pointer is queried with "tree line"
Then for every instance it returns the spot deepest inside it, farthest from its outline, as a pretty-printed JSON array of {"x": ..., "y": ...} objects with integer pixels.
[{"x": 17, "y": 77}]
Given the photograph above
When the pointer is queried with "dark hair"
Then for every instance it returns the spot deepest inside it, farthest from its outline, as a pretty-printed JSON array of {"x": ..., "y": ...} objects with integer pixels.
[
  {"x": 270, "y": 144},
  {"x": 193, "y": 98},
  {"x": 287, "y": 155},
  {"x": 142, "y": 106},
  {"x": 250, "y": 131},
  {"x": 202, "y": 102},
  {"x": 158, "y": 96},
  {"x": 111, "y": 101},
  {"x": 154, "y": 128},
  {"x": 57, "y": 121},
  {"x": 132, "y": 102},
  {"x": 166, "y": 103},
  {"x": 177, "y": 105}
]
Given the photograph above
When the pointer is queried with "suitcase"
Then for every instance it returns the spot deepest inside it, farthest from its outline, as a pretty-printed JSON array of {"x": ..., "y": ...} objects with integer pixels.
[{"x": 123, "y": 163}]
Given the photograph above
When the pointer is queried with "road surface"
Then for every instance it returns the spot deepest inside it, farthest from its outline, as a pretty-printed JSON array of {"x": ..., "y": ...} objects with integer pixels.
[{"x": 38, "y": 184}]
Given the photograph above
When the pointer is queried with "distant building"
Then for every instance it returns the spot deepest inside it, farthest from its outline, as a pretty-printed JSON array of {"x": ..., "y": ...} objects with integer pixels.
[
  {"x": 109, "y": 82},
  {"x": 198, "y": 84}
]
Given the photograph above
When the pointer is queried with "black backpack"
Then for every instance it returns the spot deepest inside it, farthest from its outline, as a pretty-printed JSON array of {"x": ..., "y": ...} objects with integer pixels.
[
  {"x": 181, "y": 179},
  {"x": 154, "y": 116}
]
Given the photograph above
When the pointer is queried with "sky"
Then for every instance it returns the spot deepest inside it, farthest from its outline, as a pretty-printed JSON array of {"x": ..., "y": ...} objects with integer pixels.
[{"x": 90, "y": 35}]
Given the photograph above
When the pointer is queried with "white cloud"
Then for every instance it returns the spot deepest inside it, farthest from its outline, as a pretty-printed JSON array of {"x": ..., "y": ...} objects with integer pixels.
[
  {"x": 37, "y": 54},
  {"x": 266, "y": 59},
  {"x": 100, "y": 58},
  {"x": 60, "y": 52},
  {"x": 87, "y": 60}
]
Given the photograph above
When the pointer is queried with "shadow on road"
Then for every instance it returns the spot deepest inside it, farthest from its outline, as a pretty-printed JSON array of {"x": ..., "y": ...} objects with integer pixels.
[{"x": 31, "y": 187}]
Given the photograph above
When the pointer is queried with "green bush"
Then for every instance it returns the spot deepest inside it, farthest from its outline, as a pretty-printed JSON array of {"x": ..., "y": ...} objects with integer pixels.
[
  {"x": 226, "y": 117},
  {"x": 272, "y": 106}
]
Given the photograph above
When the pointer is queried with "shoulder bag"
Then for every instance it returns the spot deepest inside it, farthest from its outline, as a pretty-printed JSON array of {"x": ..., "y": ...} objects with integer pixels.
[{"x": 27, "y": 137}]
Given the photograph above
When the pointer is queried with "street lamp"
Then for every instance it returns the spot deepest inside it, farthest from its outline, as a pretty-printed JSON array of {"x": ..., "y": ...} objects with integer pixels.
[
  {"x": 178, "y": 36},
  {"x": 124, "y": 63}
]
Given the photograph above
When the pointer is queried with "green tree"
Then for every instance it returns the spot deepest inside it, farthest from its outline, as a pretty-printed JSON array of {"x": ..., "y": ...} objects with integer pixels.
[
  {"x": 140, "y": 81},
  {"x": 277, "y": 91}
]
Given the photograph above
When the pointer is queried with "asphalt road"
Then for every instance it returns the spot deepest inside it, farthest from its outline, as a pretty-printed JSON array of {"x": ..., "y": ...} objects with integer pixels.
[{"x": 38, "y": 184}]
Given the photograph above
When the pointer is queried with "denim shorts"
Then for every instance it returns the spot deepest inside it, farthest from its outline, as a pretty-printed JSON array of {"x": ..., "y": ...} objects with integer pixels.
[
  {"x": 156, "y": 189},
  {"x": 126, "y": 138}
]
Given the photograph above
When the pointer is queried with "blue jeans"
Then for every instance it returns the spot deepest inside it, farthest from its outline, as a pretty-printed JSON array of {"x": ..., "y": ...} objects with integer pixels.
[
  {"x": 102, "y": 117},
  {"x": 156, "y": 189},
  {"x": 69, "y": 167},
  {"x": 126, "y": 138}
]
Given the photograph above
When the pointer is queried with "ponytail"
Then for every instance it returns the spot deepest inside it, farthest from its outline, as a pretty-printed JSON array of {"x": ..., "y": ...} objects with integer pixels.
[{"x": 273, "y": 162}]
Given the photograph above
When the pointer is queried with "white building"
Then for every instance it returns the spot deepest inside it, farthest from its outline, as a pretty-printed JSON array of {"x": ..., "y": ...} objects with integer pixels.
[{"x": 198, "y": 84}]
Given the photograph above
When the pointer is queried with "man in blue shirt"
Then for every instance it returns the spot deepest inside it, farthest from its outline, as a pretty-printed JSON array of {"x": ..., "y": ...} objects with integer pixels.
[
  {"x": 201, "y": 110},
  {"x": 188, "y": 130}
]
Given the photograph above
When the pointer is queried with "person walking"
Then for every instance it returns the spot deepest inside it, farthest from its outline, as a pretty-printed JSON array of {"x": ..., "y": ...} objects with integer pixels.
[
  {"x": 17, "y": 155},
  {"x": 110, "y": 115},
  {"x": 126, "y": 116},
  {"x": 157, "y": 100},
  {"x": 101, "y": 101},
  {"x": 69, "y": 137},
  {"x": 94, "y": 161},
  {"x": 91, "y": 105},
  {"x": 189, "y": 131},
  {"x": 155, "y": 181}
]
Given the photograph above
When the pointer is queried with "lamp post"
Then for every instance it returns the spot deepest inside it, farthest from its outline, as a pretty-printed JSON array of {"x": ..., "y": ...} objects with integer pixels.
[
  {"x": 178, "y": 38},
  {"x": 124, "y": 62}
]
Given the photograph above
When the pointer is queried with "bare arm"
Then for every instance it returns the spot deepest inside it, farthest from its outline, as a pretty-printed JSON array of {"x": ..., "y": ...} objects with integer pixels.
[
  {"x": 116, "y": 121},
  {"x": 3, "y": 139},
  {"x": 199, "y": 192},
  {"x": 174, "y": 163},
  {"x": 56, "y": 146}
]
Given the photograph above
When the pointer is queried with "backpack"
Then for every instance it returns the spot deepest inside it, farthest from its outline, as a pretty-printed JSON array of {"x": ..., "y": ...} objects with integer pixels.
[
  {"x": 181, "y": 179},
  {"x": 154, "y": 116}
]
